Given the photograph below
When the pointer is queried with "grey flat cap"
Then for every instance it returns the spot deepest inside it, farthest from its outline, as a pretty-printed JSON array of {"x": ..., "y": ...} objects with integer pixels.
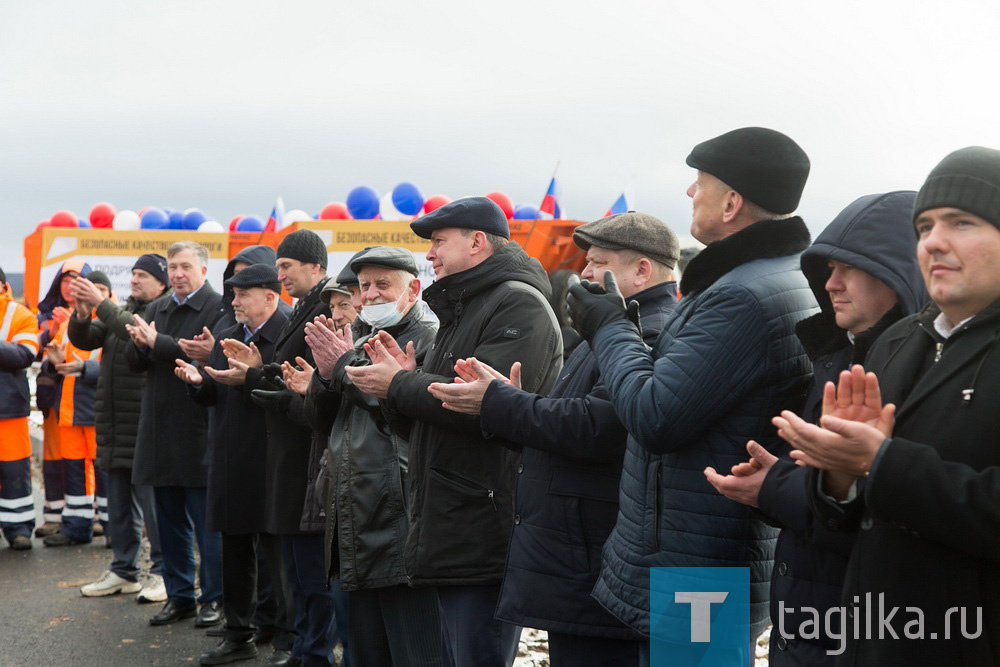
[
  {"x": 332, "y": 288},
  {"x": 644, "y": 234},
  {"x": 387, "y": 256}
]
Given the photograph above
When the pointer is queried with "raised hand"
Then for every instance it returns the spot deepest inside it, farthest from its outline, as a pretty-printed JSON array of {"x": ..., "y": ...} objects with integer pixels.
[
  {"x": 295, "y": 379},
  {"x": 187, "y": 373},
  {"x": 239, "y": 351},
  {"x": 199, "y": 347},
  {"x": 466, "y": 393},
  {"x": 743, "y": 485}
]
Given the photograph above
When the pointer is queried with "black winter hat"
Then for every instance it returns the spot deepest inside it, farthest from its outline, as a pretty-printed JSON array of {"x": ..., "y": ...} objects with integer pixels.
[
  {"x": 640, "y": 232},
  {"x": 155, "y": 265},
  {"x": 99, "y": 278},
  {"x": 969, "y": 179},
  {"x": 765, "y": 166},
  {"x": 304, "y": 245},
  {"x": 347, "y": 276},
  {"x": 385, "y": 256},
  {"x": 256, "y": 275},
  {"x": 477, "y": 213}
]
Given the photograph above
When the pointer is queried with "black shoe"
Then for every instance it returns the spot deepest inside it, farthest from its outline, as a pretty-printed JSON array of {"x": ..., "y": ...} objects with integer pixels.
[
  {"x": 264, "y": 635},
  {"x": 230, "y": 651},
  {"x": 210, "y": 614},
  {"x": 217, "y": 630},
  {"x": 280, "y": 657},
  {"x": 173, "y": 612}
]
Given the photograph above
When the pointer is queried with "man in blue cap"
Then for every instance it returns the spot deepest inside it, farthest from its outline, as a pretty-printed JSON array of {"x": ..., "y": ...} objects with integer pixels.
[{"x": 491, "y": 300}]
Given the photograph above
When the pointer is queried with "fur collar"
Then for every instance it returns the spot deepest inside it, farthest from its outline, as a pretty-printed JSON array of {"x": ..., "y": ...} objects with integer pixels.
[{"x": 762, "y": 240}]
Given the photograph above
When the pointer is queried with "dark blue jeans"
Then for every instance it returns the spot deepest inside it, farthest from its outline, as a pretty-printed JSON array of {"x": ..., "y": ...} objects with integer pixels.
[
  {"x": 180, "y": 518},
  {"x": 314, "y": 616},
  {"x": 128, "y": 508}
]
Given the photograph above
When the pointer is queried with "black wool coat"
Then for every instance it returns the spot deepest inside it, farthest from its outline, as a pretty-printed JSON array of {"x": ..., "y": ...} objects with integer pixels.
[
  {"x": 928, "y": 520},
  {"x": 173, "y": 430},
  {"x": 566, "y": 500},
  {"x": 289, "y": 434},
  {"x": 237, "y": 443}
]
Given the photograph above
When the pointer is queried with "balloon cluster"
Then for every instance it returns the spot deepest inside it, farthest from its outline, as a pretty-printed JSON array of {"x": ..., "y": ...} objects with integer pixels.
[{"x": 404, "y": 202}]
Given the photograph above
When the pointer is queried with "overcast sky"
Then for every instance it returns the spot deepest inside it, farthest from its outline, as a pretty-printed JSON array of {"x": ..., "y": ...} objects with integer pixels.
[{"x": 225, "y": 105}]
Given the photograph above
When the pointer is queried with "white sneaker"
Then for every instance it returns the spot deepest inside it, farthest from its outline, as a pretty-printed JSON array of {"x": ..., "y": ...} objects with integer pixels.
[
  {"x": 109, "y": 583},
  {"x": 153, "y": 591}
]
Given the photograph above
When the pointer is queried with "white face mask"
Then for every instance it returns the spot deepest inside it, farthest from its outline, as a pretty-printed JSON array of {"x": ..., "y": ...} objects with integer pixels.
[{"x": 381, "y": 315}]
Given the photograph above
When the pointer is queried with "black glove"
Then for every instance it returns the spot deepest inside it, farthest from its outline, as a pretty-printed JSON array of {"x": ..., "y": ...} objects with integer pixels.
[
  {"x": 633, "y": 314},
  {"x": 273, "y": 375},
  {"x": 591, "y": 307},
  {"x": 272, "y": 400}
]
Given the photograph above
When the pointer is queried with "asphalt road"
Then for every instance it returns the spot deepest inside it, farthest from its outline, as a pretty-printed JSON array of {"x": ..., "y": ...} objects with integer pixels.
[{"x": 45, "y": 621}]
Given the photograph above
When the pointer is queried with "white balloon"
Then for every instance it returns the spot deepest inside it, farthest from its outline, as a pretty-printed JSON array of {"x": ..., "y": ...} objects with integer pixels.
[
  {"x": 295, "y": 215},
  {"x": 388, "y": 211},
  {"x": 211, "y": 226},
  {"x": 126, "y": 221}
]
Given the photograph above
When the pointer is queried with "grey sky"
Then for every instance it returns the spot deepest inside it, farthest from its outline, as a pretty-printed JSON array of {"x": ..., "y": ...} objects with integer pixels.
[{"x": 224, "y": 105}]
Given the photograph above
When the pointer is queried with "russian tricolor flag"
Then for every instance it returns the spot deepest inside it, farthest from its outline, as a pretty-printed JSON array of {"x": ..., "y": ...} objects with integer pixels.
[
  {"x": 277, "y": 217},
  {"x": 550, "y": 203},
  {"x": 624, "y": 203}
]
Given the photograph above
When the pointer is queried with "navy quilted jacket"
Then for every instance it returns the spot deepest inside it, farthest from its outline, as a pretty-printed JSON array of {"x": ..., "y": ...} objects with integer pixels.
[{"x": 726, "y": 362}]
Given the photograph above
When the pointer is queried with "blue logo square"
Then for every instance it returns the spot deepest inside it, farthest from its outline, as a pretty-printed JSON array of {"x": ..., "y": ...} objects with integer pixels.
[{"x": 700, "y": 617}]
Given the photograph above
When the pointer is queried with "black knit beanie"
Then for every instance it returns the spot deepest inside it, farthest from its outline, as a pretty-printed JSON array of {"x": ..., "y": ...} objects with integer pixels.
[
  {"x": 968, "y": 179},
  {"x": 304, "y": 245},
  {"x": 155, "y": 265},
  {"x": 99, "y": 278}
]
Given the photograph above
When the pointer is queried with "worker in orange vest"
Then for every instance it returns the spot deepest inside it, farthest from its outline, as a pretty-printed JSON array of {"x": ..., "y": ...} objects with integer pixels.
[
  {"x": 53, "y": 311},
  {"x": 18, "y": 347},
  {"x": 79, "y": 370}
]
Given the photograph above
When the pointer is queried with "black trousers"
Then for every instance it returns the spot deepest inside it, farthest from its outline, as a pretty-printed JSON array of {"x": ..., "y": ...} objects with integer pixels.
[
  {"x": 472, "y": 636},
  {"x": 240, "y": 586},
  {"x": 567, "y": 650},
  {"x": 395, "y": 625}
]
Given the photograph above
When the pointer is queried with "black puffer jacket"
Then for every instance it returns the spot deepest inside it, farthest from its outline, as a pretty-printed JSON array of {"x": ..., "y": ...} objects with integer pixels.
[
  {"x": 119, "y": 388},
  {"x": 461, "y": 484},
  {"x": 726, "y": 362},
  {"x": 874, "y": 234},
  {"x": 567, "y": 487},
  {"x": 363, "y": 472}
]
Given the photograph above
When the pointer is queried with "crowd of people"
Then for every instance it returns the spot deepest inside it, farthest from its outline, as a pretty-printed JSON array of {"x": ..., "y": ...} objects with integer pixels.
[{"x": 353, "y": 470}]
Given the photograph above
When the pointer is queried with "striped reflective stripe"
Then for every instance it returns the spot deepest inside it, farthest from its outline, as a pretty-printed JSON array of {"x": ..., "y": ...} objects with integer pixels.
[
  {"x": 52, "y": 517},
  {"x": 17, "y": 517},
  {"x": 85, "y": 512},
  {"x": 104, "y": 516},
  {"x": 16, "y": 503},
  {"x": 26, "y": 339},
  {"x": 79, "y": 500},
  {"x": 55, "y": 504},
  {"x": 8, "y": 317},
  {"x": 102, "y": 501}
]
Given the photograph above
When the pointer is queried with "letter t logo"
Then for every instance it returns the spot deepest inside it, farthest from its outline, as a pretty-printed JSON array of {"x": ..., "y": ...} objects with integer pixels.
[{"x": 701, "y": 612}]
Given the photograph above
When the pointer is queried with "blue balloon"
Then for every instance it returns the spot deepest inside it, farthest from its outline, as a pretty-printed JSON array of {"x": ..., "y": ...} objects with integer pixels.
[
  {"x": 154, "y": 218},
  {"x": 176, "y": 219},
  {"x": 250, "y": 223},
  {"x": 193, "y": 218},
  {"x": 526, "y": 212},
  {"x": 407, "y": 198},
  {"x": 362, "y": 202},
  {"x": 84, "y": 224}
]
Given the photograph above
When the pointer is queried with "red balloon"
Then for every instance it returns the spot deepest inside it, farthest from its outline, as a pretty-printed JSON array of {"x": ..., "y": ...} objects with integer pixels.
[
  {"x": 235, "y": 221},
  {"x": 143, "y": 210},
  {"x": 43, "y": 223},
  {"x": 335, "y": 210},
  {"x": 503, "y": 200},
  {"x": 435, "y": 201},
  {"x": 102, "y": 215},
  {"x": 64, "y": 219}
]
